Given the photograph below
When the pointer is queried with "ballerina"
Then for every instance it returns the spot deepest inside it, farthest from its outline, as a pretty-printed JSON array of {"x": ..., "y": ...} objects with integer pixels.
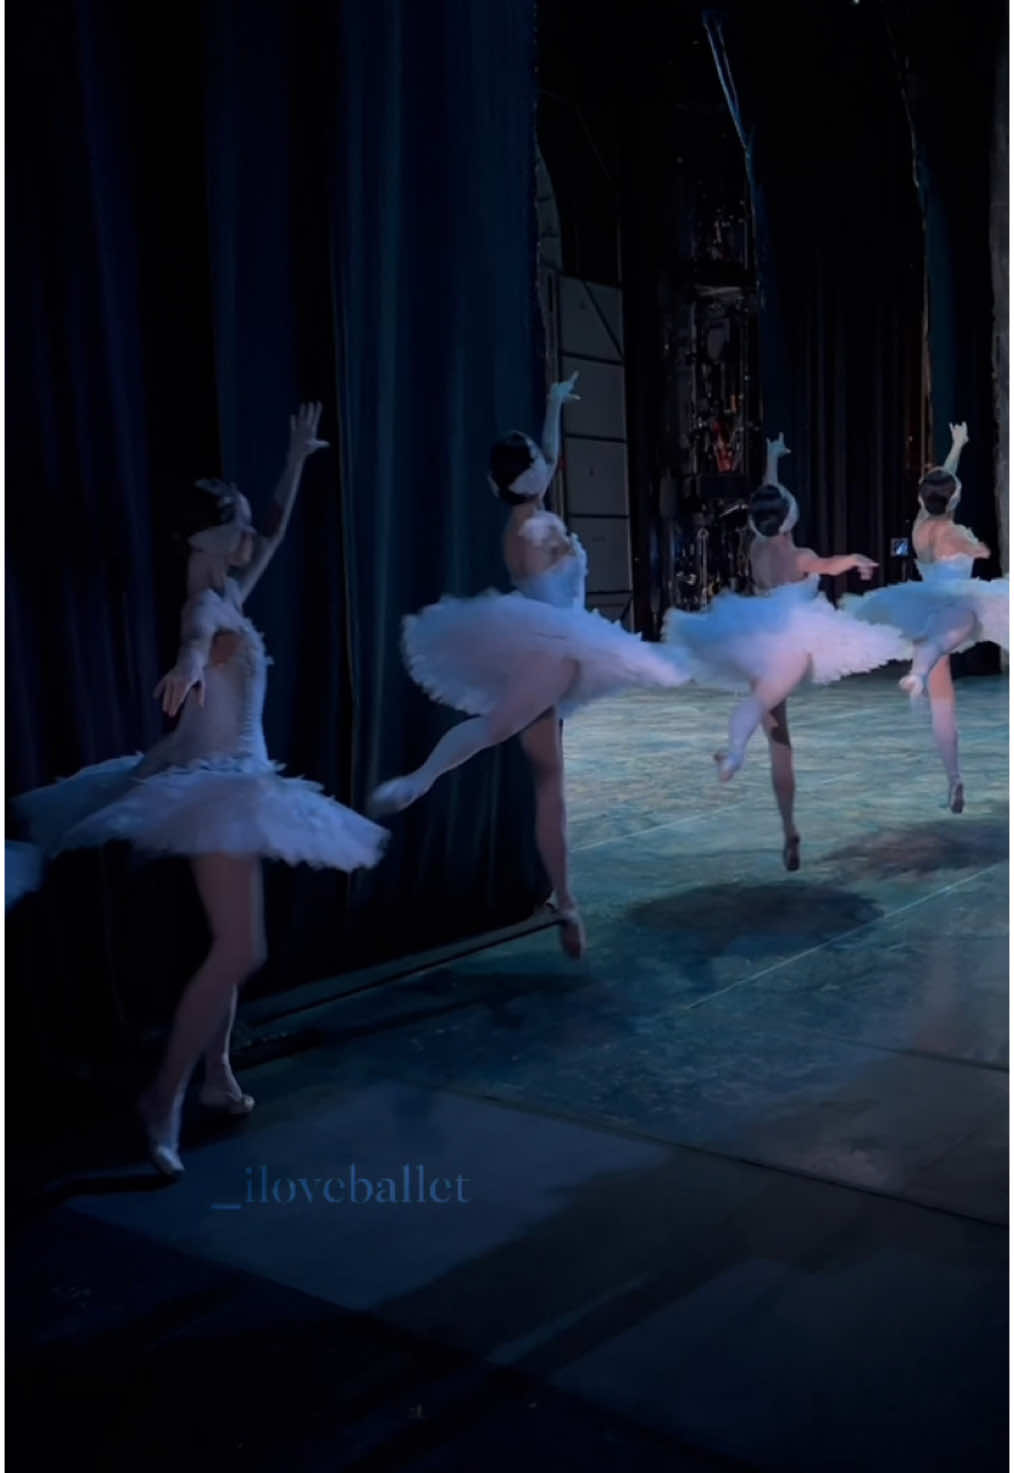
[
  {"x": 208, "y": 790},
  {"x": 947, "y": 611},
  {"x": 776, "y": 640},
  {"x": 517, "y": 663}
]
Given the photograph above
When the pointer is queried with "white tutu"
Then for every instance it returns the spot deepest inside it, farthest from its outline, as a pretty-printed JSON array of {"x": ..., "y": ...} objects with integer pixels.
[
  {"x": 468, "y": 652},
  {"x": 741, "y": 638},
  {"x": 206, "y": 808},
  {"x": 209, "y": 786},
  {"x": 909, "y": 607}
]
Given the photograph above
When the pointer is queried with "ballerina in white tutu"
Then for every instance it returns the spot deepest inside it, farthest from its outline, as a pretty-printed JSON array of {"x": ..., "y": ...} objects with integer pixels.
[
  {"x": 209, "y": 791},
  {"x": 772, "y": 642},
  {"x": 946, "y": 610},
  {"x": 517, "y": 663}
]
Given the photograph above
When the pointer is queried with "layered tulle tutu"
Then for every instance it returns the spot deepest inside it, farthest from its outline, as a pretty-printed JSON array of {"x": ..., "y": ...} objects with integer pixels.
[
  {"x": 912, "y": 607},
  {"x": 741, "y": 638},
  {"x": 208, "y": 787},
  {"x": 468, "y": 653},
  {"x": 208, "y": 807}
]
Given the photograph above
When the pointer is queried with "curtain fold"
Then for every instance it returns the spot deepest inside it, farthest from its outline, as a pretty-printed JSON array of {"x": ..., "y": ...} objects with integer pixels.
[{"x": 279, "y": 202}]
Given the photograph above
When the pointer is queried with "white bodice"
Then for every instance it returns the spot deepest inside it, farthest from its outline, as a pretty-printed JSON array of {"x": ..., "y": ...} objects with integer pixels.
[
  {"x": 946, "y": 569},
  {"x": 562, "y": 584},
  {"x": 228, "y": 726}
]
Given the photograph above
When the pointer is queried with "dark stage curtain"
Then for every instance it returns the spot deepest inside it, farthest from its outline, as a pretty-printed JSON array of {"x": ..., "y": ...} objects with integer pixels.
[
  {"x": 816, "y": 98},
  {"x": 276, "y": 201},
  {"x": 950, "y": 77}
]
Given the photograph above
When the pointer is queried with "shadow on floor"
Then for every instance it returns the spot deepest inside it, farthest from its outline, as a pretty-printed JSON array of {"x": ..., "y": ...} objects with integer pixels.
[{"x": 955, "y": 843}]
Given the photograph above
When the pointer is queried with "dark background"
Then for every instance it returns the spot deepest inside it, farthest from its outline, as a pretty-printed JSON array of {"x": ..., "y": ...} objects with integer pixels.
[{"x": 246, "y": 203}]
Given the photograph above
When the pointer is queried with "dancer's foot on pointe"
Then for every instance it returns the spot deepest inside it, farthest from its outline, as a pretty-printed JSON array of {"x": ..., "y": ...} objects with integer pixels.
[
  {"x": 572, "y": 937},
  {"x": 728, "y": 764},
  {"x": 162, "y": 1134},
  {"x": 790, "y": 853},
  {"x": 956, "y": 796},
  {"x": 913, "y": 685},
  {"x": 221, "y": 1091},
  {"x": 392, "y": 797}
]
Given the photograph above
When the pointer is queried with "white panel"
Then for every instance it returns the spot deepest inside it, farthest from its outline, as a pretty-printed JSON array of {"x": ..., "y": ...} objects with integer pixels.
[
  {"x": 596, "y": 472},
  {"x": 582, "y": 329},
  {"x": 601, "y": 409},
  {"x": 607, "y": 543}
]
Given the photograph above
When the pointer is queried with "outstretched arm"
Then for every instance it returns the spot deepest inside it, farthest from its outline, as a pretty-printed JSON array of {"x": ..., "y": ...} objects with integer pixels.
[
  {"x": 559, "y": 395},
  {"x": 303, "y": 443},
  {"x": 959, "y": 439},
  {"x": 808, "y": 562},
  {"x": 776, "y": 449},
  {"x": 198, "y": 631}
]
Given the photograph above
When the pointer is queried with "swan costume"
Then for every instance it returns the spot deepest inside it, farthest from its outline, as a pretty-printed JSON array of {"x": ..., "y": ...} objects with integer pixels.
[
  {"x": 208, "y": 787},
  {"x": 743, "y": 638},
  {"x": 468, "y": 653},
  {"x": 945, "y": 582}
]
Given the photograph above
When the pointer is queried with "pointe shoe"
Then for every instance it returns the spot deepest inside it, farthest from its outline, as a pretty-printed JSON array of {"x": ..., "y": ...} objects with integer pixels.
[
  {"x": 790, "y": 853},
  {"x": 163, "y": 1154},
  {"x": 224, "y": 1099},
  {"x": 728, "y": 764},
  {"x": 913, "y": 685},
  {"x": 394, "y": 796},
  {"x": 572, "y": 936},
  {"x": 956, "y": 796}
]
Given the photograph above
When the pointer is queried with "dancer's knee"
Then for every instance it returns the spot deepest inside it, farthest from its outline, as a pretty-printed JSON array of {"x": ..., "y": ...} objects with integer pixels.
[{"x": 238, "y": 957}]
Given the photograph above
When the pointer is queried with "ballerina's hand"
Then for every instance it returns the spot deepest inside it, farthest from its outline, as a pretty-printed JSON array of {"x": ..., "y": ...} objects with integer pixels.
[
  {"x": 959, "y": 434},
  {"x": 865, "y": 567},
  {"x": 303, "y": 432},
  {"x": 174, "y": 688},
  {"x": 778, "y": 447},
  {"x": 563, "y": 393}
]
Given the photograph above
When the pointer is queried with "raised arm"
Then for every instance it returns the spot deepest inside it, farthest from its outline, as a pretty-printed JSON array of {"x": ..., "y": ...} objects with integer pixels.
[
  {"x": 559, "y": 395},
  {"x": 199, "y": 625},
  {"x": 303, "y": 443},
  {"x": 776, "y": 449},
  {"x": 959, "y": 439},
  {"x": 807, "y": 561}
]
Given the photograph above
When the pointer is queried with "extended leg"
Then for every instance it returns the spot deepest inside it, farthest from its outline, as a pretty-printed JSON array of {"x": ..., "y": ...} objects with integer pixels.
[
  {"x": 749, "y": 714},
  {"x": 947, "y": 630},
  {"x": 546, "y": 681}
]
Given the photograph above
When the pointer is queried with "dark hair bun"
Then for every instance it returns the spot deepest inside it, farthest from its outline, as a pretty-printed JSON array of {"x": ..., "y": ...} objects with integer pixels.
[
  {"x": 768, "y": 509},
  {"x": 509, "y": 458},
  {"x": 935, "y": 490},
  {"x": 207, "y": 504}
]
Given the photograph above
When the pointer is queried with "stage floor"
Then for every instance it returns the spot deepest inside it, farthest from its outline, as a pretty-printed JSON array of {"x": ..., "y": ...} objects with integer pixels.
[{"x": 737, "y": 1184}]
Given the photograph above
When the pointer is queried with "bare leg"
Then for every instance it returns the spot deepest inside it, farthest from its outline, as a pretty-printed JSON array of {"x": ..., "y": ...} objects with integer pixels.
[
  {"x": 221, "y": 1089},
  {"x": 230, "y": 888},
  {"x": 749, "y": 714},
  {"x": 543, "y": 744},
  {"x": 943, "y": 713},
  {"x": 947, "y": 630},
  {"x": 783, "y": 779},
  {"x": 545, "y": 682}
]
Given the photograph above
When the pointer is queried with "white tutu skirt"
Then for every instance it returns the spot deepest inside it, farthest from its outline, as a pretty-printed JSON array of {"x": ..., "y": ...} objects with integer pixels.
[
  {"x": 210, "y": 807},
  {"x": 741, "y": 638},
  {"x": 910, "y": 607},
  {"x": 468, "y": 653}
]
